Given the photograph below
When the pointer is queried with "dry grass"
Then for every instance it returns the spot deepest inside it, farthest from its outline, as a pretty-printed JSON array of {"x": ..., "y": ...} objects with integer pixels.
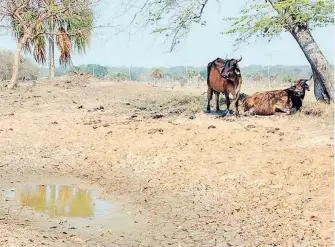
[
  {"x": 192, "y": 103},
  {"x": 318, "y": 109}
]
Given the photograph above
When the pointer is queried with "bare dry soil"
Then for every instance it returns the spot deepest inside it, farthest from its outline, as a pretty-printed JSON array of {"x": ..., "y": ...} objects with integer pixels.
[{"x": 184, "y": 177}]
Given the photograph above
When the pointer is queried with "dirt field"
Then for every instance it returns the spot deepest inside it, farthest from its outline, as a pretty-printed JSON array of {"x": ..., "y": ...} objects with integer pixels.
[{"x": 184, "y": 177}]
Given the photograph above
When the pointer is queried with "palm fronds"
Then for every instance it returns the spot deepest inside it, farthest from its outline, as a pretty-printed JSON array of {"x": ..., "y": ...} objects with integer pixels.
[
  {"x": 63, "y": 42},
  {"x": 73, "y": 32}
]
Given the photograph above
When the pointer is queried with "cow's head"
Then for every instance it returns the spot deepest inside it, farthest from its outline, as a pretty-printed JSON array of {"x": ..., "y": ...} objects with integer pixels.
[
  {"x": 301, "y": 86},
  {"x": 231, "y": 67}
]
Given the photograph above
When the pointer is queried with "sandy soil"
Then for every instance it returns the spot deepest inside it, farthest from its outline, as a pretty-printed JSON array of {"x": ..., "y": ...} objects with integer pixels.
[{"x": 186, "y": 178}]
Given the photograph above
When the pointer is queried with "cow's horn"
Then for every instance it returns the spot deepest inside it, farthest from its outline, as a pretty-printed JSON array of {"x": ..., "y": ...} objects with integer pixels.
[
  {"x": 311, "y": 77},
  {"x": 239, "y": 60}
]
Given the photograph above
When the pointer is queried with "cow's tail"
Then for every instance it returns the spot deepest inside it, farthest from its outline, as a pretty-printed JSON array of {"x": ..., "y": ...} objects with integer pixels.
[{"x": 209, "y": 66}]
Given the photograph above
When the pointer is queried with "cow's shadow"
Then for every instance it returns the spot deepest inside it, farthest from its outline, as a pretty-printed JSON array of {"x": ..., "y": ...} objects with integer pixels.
[{"x": 221, "y": 113}]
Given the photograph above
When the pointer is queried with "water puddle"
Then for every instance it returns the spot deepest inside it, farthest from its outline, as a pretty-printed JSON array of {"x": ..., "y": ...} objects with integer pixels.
[
  {"x": 61, "y": 200},
  {"x": 59, "y": 203}
]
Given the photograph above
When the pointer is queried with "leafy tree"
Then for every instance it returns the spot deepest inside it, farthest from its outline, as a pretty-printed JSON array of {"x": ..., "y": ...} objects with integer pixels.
[
  {"x": 97, "y": 70},
  {"x": 192, "y": 73},
  {"x": 78, "y": 23},
  {"x": 157, "y": 74},
  {"x": 29, "y": 18},
  {"x": 297, "y": 17},
  {"x": 120, "y": 76},
  {"x": 257, "y": 77},
  {"x": 203, "y": 73}
]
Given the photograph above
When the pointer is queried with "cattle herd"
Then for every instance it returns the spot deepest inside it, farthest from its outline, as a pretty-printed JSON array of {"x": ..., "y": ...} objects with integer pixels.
[{"x": 224, "y": 76}]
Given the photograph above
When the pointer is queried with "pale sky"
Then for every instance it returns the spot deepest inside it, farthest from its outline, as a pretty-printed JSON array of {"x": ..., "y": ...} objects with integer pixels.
[{"x": 204, "y": 44}]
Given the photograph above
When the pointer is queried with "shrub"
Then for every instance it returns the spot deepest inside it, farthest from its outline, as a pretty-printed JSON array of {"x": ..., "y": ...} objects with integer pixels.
[{"x": 28, "y": 69}]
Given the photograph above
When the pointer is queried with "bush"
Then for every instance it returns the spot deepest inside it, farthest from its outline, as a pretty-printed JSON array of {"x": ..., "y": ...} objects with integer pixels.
[
  {"x": 97, "y": 70},
  {"x": 117, "y": 76},
  {"x": 28, "y": 69}
]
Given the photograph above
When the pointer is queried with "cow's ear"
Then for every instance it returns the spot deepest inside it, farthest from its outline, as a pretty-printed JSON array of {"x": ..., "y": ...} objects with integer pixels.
[{"x": 219, "y": 63}]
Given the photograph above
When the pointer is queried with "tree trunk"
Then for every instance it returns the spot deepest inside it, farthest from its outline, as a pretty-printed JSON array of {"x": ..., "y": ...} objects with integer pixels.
[
  {"x": 320, "y": 91},
  {"x": 51, "y": 50},
  {"x": 14, "y": 81},
  {"x": 320, "y": 65},
  {"x": 51, "y": 58}
]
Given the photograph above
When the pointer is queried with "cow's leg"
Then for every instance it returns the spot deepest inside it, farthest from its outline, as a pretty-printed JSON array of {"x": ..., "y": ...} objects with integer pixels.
[
  {"x": 217, "y": 99},
  {"x": 209, "y": 98},
  {"x": 227, "y": 103},
  {"x": 237, "y": 97},
  {"x": 283, "y": 109},
  {"x": 250, "y": 112}
]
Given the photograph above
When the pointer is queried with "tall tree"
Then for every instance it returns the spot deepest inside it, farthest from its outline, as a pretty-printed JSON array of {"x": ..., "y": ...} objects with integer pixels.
[
  {"x": 174, "y": 19},
  {"x": 298, "y": 17},
  {"x": 29, "y": 18}
]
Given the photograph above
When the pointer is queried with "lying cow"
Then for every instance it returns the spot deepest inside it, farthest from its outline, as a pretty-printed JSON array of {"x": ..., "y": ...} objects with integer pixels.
[{"x": 288, "y": 100}]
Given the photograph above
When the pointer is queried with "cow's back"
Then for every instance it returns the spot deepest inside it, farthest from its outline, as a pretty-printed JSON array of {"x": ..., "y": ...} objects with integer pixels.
[{"x": 265, "y": 103}]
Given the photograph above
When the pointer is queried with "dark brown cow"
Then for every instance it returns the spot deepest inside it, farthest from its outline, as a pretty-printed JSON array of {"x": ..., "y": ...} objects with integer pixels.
[
  {"x": 224, "y": 76},
  {"x": 288, "y": 100}
]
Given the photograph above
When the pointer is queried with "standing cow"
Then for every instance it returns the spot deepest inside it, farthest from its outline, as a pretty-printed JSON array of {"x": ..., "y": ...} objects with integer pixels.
[
  {"x": 224, "y": 76},
  {"x": 288, "y": 100}
]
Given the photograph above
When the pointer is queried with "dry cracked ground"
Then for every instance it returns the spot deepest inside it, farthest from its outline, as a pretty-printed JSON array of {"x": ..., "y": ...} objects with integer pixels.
[{"x": 180, "y": 177}]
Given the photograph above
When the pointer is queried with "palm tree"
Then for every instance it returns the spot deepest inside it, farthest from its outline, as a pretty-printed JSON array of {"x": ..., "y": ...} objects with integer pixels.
[
  {"x": 157, "y": 74},
  {"x": 66, "y": 31}
]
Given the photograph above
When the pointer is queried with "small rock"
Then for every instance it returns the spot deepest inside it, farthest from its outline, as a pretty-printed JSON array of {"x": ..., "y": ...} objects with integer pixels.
[
  {"x": 156, "y": 116},
  {"x": 152, "y": 131},
  {"x": 211, "y": 127},
  {"x": 314, "y": 218},
  {"x": 251, "y": 126},
  {"x": 99, "y": 108},
  {"x": 54, "y": 122},
  {"x": 80, "y": 107}
]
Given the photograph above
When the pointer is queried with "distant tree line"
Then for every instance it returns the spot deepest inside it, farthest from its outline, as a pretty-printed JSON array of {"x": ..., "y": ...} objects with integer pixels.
[{"x": 183, "y": 73}]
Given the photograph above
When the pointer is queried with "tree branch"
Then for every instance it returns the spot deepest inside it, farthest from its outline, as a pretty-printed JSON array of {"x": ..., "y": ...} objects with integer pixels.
[{"x": 197, "y": 18}]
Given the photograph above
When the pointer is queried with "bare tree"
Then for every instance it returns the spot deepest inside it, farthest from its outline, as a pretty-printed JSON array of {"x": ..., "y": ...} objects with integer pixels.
[{"x": 28, "y": 16}]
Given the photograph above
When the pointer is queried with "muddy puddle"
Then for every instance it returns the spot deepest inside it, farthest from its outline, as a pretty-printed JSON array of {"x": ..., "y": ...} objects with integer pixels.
[
  {"x": 63, "y": 203},
  {"x": 60, "y": 200}
]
